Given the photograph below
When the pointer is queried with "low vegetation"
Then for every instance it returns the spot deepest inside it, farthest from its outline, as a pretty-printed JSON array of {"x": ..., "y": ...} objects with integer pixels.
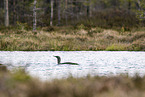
[
  {"x": 71, "y": 38},
  {"x": 20, "y": 84}
]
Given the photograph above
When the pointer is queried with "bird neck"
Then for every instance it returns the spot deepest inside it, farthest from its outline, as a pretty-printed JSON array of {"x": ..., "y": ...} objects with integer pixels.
[{"x": 58, "y": 60}]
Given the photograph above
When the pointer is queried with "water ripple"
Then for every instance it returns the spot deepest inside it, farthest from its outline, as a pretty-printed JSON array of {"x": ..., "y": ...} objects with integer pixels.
[{"x": 44, "y": 65}]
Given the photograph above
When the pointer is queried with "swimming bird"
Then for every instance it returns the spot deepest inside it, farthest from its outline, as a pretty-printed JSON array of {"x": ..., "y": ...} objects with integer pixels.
[{"x": 59, "y": 60}]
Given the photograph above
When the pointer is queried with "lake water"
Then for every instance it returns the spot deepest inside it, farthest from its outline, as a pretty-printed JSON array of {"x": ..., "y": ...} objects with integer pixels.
[{"x": 43, "y": 64}]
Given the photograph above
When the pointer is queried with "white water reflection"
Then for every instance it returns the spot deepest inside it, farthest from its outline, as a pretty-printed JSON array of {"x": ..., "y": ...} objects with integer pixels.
[{"x": 43, "y": 65}]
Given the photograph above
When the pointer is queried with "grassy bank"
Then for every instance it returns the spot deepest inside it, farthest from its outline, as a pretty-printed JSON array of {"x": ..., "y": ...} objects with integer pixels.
[
  {"x": 19, "y": 84},
  {"x": 72, "y": 38}
]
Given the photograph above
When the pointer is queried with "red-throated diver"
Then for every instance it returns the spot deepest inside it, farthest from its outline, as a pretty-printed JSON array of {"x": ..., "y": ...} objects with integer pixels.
[{"x": 69, "y": 63}]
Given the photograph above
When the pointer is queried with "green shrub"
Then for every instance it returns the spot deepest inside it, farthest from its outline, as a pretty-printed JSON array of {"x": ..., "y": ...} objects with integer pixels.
[
  {"x": 116, "y": 47},
  {"x": 20, "y": 75},
  {"x": 81, "y": 26},
  {"x": 23, "y": 26}
]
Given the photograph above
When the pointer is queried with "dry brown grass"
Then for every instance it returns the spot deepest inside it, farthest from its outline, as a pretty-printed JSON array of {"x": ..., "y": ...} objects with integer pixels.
[
  {"x": 67, "y": 39},
  {"x": 19, "y": 84}
]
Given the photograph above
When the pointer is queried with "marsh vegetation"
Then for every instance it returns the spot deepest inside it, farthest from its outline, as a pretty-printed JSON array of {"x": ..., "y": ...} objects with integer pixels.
[
  {"x": 71, "y": 39},
  {"x": 20, "y": 84}
]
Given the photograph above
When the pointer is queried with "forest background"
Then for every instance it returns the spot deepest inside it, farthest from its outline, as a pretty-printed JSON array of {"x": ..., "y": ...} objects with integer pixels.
[{"x": 73, "y": 17}]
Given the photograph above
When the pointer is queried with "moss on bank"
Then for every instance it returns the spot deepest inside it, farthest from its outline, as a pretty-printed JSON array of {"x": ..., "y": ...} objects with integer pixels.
[
  {"x": 20, "y": 84},
  {"x": 72, "y": 39}
]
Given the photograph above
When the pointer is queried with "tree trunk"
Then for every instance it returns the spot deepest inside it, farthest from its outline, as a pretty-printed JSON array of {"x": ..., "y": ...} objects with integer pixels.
[
  {"x": 59, "y": 17},
  {"x": 14, "y": 11},
  {"x": 129, "y": 5},
  {"x": 51, "y": 19},
  {"x": 138, "y": 1},
  {"x": 34, "y": 16},
  {"x": 6, "y": 8},
  {"x": 90, "y": 8},
  {"x": 66, "y": 12}
]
